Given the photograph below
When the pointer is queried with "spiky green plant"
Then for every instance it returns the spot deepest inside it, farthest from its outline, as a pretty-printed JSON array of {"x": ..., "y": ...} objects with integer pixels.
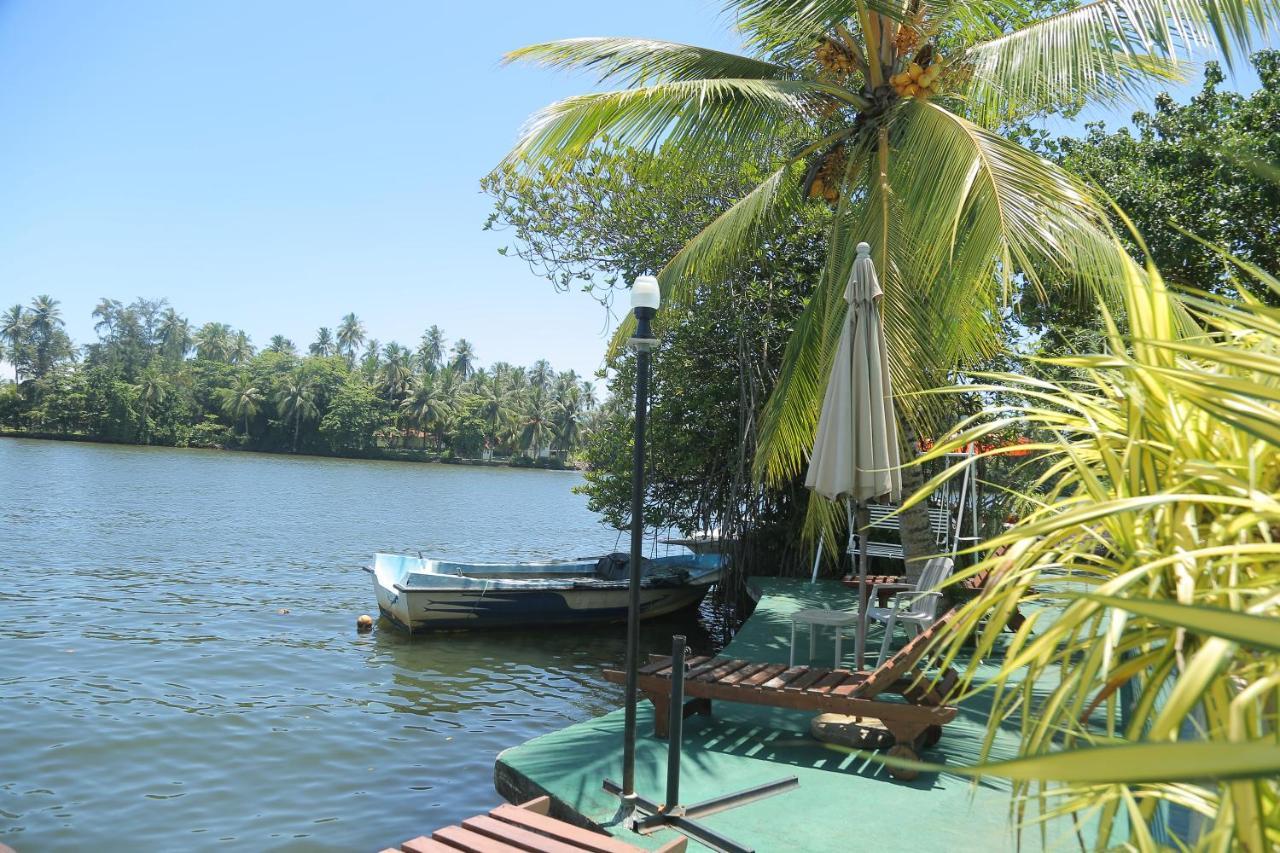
[{"x": 1148, "y": 668}]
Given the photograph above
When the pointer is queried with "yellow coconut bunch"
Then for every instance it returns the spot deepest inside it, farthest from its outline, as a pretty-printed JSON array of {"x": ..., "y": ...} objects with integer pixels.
[
  {"x": 833, "y": 57},
  {"x": 916, "y": 81},
  {"x": 826, "y": 182}
]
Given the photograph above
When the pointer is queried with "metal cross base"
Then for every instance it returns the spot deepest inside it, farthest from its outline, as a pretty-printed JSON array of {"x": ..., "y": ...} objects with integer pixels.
[{"x": 650, "y": 816}]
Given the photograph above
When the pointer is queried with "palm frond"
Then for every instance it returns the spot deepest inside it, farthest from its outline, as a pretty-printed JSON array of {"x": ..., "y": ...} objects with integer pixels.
[
  {"x": 640, "y": 62},
  {"x": 983, "y": 199},
  {"x": 698, "y": 115},
  {"x": 1103, "y": 51}
]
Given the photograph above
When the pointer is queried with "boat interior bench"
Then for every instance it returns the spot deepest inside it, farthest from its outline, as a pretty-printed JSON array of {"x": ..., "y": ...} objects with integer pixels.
[
  {"x": 915, "y": 722},
  {"x": 524, "y": 827}
]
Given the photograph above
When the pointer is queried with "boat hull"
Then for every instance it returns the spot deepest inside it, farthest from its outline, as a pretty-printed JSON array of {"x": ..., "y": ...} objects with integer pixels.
[{"x": 431, "y": 602}]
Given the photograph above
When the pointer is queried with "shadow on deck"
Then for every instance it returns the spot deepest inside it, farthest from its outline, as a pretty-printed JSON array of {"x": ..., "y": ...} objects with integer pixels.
[{"x": 843, "y": 801}]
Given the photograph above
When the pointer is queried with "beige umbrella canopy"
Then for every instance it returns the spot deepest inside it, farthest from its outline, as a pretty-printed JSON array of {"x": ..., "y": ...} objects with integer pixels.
[{"x": 855, "y": 454}]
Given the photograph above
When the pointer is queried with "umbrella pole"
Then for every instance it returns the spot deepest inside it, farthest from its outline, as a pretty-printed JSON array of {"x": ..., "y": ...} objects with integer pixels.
[{"x": 860, "y": 639}]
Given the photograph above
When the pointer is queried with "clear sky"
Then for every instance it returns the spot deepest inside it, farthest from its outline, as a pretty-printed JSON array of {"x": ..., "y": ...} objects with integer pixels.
[{"x": 274, "y": 165}]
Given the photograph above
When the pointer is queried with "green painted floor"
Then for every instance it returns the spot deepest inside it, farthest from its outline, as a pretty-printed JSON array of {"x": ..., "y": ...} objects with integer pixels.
[{"x": 843, "y": 802}]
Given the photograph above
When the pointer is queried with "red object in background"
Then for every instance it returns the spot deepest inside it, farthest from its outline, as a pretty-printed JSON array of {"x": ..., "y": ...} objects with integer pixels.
[{"x": 851, "y": 581}]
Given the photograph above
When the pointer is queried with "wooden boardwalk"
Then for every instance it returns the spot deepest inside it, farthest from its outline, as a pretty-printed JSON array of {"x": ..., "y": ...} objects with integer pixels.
[{"x": 526, "y": 828}]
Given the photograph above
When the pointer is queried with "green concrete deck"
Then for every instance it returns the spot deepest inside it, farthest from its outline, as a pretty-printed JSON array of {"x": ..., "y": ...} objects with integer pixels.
[{"x": 843, "y": 802}]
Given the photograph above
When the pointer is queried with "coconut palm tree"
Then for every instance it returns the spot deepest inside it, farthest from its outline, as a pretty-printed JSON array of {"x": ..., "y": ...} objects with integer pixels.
[
  {"x": 496, "y": 404},
  {"x": 240, "y": 400},
  {"x": 887, "y": 112},
  {"x": 431, "y": 350},
  {"x": 350, "y": 336},
  {"x": 540, "y": 374},
  {"x": 397, "y": 371},
  {"x": 152, "y": 391},
  {"x": 45, "y": 322},
  {"x": 570, "y": 413},
  {"x": 14, "y": 328},
  {"x": 282, "y": 345},
  {"x": 538, "y": 423},
  {"x": 241, "y": 348},
  {"x": 371, "y": 361},
  {"x": 464, "y": 358},
  {"x": 324, "y": 345},
  {"x": 296, "y": 401},
  {"x": 428, "y": 405},
  {"x": 213, "y": 342},
  {"x": 174, "y": 335}
]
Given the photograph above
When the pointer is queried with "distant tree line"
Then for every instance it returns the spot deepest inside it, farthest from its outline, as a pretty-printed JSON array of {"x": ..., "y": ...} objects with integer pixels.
[{"x": 151, "y": 378}]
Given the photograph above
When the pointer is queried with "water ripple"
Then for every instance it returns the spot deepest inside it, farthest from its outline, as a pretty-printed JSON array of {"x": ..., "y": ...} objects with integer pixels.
[{"x": 150, "y": 689}]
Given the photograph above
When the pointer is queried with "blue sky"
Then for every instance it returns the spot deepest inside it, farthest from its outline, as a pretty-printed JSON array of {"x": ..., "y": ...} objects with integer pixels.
[{"x": 274, "y": 165}]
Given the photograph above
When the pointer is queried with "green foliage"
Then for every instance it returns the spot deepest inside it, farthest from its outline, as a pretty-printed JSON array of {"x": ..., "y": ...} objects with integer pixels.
[
  {"x": 624, "y": 210},
  {"x": 1148, "y": 557},
  {"x": 149, "y": 379},
  {"x": 888, "y": 112},
  {"x": 1192, "y": 168},
  {"x": 354, "y": 415}
]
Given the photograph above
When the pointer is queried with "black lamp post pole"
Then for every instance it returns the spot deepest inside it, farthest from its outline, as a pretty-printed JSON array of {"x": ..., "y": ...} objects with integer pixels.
[{"x": 642, "y": 343}]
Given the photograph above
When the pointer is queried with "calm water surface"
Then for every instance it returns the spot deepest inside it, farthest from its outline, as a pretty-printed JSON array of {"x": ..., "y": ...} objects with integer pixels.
[{"x": 153, "y": 696}]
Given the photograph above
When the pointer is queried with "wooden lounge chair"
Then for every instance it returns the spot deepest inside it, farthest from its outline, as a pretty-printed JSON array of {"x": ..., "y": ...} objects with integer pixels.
[
  {"x": 915, "y": 723},
  {"x": 525, "y": 827}
]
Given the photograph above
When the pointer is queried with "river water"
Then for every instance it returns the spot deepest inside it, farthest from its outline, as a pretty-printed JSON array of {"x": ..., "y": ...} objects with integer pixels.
[{"x": 179, "y": 666}]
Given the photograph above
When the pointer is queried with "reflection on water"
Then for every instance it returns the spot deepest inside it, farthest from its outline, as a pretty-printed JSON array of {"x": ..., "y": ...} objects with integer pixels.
[{"x": 153, "y": 694}]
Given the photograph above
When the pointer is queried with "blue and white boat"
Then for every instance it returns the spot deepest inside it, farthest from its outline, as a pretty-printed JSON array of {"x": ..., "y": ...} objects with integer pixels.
[{"x": 420, "y": 594}]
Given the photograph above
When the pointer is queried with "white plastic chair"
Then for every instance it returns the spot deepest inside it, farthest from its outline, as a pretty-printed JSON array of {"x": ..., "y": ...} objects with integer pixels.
[{"x": 914, "y": 606}]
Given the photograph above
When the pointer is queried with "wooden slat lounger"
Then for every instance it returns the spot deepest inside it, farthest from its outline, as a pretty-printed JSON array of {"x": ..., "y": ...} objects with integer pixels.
[
  {"x": 525, "y": 827},
  {"x": 915, "y": 723}
]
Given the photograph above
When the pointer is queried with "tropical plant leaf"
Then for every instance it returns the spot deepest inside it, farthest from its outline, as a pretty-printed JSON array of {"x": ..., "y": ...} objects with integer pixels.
[{"x": 1260, "y": 632}]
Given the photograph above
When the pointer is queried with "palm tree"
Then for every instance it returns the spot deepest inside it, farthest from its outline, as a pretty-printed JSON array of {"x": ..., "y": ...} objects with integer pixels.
[
  {"x": 431, "y": 350},
  {"x": 496, "y": 403},
  {"x": 175, "y": 335},
  {"x": 570, "y": 411},
  {"x": 14, "y": 328},
  {"x": 350, "y": 336},
  {"x": 397, "y": 370},
  {"x": 241, "y": 348},
  {"x": 371, "y": 360},
  {"x": 240, "y": 400},
  {"x": 540, "y": 374},
  {"x": 296, "y": 401},
  {"x": 323, "y": 346},
  {"x": 213, "y": 342},
  {"x": 896, "y": 107},
  {"x": 464, "y": 358},
  {"x": 428, "y": 405},
  {"x": 538, "y": 423},
  {"x": 282, "y": 345},
  {"x": 45, "y": 321},
  {"x": 152, "y": 391}
]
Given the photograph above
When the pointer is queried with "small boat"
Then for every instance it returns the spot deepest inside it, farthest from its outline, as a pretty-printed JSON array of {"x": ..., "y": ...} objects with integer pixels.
[{"x": 419, "y": 594}]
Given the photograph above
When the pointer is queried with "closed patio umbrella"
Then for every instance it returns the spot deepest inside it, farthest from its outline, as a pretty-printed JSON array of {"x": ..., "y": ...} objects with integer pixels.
[{"x": 855, "y": 453}]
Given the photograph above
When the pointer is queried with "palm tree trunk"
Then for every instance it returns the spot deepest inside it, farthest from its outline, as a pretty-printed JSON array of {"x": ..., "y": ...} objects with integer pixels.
[
  {"x": 918, "y": 540},
  {"x": 297, "y": 425}
]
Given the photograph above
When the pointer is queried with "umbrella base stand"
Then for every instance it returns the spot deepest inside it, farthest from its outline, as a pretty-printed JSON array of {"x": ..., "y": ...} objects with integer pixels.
[
  {"x": 650, "y": 816},
  {"x": 647, "y": 816}
]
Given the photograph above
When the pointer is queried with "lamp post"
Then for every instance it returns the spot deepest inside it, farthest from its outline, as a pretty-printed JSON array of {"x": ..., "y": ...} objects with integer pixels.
[{"x": 645, "y": 298}]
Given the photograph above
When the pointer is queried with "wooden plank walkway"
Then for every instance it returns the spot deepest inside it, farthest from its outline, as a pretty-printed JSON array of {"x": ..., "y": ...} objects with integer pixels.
[{"x": 526, "y": 828}]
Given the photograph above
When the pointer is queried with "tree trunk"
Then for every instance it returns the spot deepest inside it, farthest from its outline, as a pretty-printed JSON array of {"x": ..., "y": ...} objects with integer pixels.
[
  {"x": 297, "y": 425},
  {"x": 918, "y": 540}
]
